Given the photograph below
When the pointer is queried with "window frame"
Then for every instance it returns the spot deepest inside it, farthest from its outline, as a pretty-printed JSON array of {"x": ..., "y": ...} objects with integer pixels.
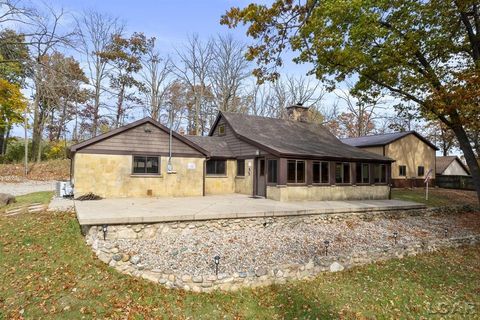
[
  {"x": 343, "y": 173},
  {"x": 320, "y": 181},
  {"x": 133, "y": 173},
  {"x": 380, "y": 179},
  {"x": 270, "y": 182},
  {"x": 241, "y": 174},
  {"x": 362, "y": 166},
  {"x": 222, "y": 130},
  {"x": 296, "y": 171},
  {"x": 216, "y": 174},
  {"x": 400, "y": 167},
  {"x": 423, "y": 171}
]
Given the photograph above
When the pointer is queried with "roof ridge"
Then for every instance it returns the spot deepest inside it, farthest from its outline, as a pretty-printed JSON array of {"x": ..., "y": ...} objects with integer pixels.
[{"x": 380, "y": 134}]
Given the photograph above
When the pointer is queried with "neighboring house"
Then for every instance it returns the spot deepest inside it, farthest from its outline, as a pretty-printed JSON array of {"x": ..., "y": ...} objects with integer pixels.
[
  {"x": 278, "y": 159},
  {"x": 413, "y": 154},
  {"x": 451, "y": 166}
]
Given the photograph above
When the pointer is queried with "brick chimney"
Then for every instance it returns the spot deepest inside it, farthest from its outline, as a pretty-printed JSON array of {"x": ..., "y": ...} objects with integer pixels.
[{"x": 298, "y": 112}]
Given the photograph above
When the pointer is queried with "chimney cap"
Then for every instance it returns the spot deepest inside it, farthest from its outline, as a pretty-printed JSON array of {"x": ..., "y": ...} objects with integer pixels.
[{"x": 298, "y": 105}]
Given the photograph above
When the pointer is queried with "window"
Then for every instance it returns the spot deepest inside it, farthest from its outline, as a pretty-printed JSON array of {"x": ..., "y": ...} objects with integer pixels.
[
  {"x": 221, "y": 130},
  {"x": 320, "y": 172},
  {"x": 146, "y": 165},
  {"x": 241, "y": 168},
  {"x": 295, "y": 171},
  {"x": 421, "y": 171},
  {"x": 342, "y": 172},
  {"x": 216, "y": 167},
  {"x": 363, "y": 173},
  {"x": 272, "y": 171},
  {"x": 380, "y": 173},
  {"x": 262, "y": 167},
  {"x": 402, "y": 171}
]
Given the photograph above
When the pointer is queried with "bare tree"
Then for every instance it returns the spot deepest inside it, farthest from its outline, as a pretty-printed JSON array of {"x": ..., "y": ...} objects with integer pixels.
[
  {"x": 45, "y": 39},
  {"x": 192, "y": 67},
  {"x": 228, "y": 71},
  {"x": 96, "y": 36},
  {"x": 155, "y": 74},
  {"x": 358, "y": 120}
]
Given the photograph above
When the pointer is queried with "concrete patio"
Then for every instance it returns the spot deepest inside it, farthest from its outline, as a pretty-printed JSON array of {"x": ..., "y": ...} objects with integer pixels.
[{"x": 152, "y": 210}]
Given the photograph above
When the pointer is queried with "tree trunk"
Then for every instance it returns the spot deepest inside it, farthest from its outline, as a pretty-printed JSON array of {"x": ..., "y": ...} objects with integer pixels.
[
  {"x": 36, "y": 130},
  {"x": 119, "y": 107},
  {"x": 2, "y": 140},
  {"x": 5, "y": 141},
  {"x": 469, "y": 156}
]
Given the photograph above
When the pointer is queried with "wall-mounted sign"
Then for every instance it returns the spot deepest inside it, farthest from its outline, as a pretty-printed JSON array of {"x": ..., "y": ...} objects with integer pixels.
[{"x": 191, "y": 166}]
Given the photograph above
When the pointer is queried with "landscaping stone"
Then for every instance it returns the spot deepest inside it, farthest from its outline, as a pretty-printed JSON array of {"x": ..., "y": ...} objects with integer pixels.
[
  {"x": 6, "y": 199},
  {"x": 180, "y": 256},
  {"x": 135, "y": 259},
  {"x": 335, "y": 267}
]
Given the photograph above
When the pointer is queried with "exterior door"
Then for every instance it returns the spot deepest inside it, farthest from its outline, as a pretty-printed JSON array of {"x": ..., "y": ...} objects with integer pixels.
[{"x": 261, "y": 178}]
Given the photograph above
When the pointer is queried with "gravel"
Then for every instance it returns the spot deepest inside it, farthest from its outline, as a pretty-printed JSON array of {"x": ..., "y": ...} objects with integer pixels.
[
  {"x": 247, "y": 250},
  {"x": 21, "y": 188}
]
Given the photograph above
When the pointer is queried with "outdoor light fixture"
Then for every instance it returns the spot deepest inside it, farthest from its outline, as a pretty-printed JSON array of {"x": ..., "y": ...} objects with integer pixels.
[
  {"x": 216, "y": 259},
  {"x": 395, "y": 235},
  {"x": 326, "y": 243},
  {"x": 104, "y": 229}
]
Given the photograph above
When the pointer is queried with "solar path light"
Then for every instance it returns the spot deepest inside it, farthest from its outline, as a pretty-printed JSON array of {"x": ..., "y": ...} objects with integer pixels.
[{"x": 216, "y": 259}]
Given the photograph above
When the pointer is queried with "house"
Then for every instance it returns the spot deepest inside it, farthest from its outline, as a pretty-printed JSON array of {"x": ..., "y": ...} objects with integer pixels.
[
  {"x": 450, "y": 166},
  {"x": 413, "y": 154},
  {"x": 273, "y": 158}
]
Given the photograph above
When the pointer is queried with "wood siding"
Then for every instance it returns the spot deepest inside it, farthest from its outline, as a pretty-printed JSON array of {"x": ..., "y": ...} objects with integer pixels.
[
  {"x": 145, "y": 138},
  {"x": 238, "y": 147}
]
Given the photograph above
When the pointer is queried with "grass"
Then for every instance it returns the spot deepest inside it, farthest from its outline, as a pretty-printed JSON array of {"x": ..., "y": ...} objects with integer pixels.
[
  {"x": 437, "y": 197},
  {"x": 42, "y": 197},
  {"x": 48, "y": 272}
]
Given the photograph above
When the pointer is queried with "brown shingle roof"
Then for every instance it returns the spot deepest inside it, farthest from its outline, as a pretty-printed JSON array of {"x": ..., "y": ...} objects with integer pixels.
[
  {"x": 383, "y": 139},
  {"x": 293, "y": 138},
  {"x": 442, "y": 164},
  {"x": 216, "y": 146}
]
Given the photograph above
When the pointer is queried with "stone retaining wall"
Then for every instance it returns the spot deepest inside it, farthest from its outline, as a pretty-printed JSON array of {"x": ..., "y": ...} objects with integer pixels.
[{"x": 132, "y": 265}]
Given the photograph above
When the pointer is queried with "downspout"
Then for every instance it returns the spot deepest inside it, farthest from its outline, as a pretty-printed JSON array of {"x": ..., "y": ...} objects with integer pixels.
[
  {"x": 169, "y": 164},
  {"x": 204, "y": 174}
]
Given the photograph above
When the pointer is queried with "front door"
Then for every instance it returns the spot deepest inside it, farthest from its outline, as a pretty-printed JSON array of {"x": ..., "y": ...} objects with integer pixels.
[{"x": 261, "y": 180}]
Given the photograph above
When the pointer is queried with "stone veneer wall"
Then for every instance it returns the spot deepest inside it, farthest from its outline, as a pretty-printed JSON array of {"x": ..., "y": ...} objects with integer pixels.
[
  {"x": 132, "y": 266},
  {"x": 110, "y": 176},
  {"x": 300, "y": 193},
  {"x": 222, "y": 184}
]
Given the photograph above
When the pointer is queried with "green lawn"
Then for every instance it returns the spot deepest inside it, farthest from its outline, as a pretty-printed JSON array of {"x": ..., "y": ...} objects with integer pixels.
[
  {"x": 48, "y": 272},
  {"x": 436, "y": 197},
  {"x": 42, "y": 197}
]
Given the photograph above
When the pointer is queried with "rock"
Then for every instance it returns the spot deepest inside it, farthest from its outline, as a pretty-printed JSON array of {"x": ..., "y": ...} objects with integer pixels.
[
  {"x": 197, "y": 279},
  {"x": 135, "y": 260},
  {"x": 117, "y": 257},
  {"x": 104, "y": 257},
  {"x": 211, "y": 278},
  {"x": 126, "y": 233},
  {"x": 261, "y": 272},
  {"x": 335, "y": 267},
  {"x": 6, "y": 198},
  {"x": 186, "y": 278},
  {"x": 152, "y": 276},
  {"x": 309, "y": 265},
  {"x": 242, "y": 274},
  {"x": 125, "y": 257},
  {"x": 114, "y": 250},
  {"x": 162, "y": 281}
]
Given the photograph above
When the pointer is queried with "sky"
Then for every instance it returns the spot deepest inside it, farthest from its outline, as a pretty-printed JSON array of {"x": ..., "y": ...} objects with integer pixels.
[{"x": 170, "y": 22}]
